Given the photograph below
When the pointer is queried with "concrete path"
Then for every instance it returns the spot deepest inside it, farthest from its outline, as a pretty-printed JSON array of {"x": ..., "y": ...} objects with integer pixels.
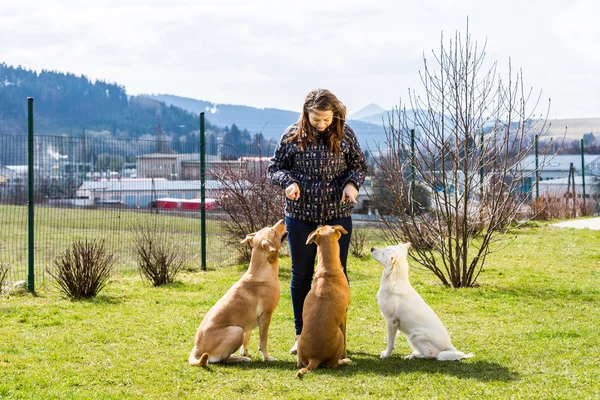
[{"x": 589, "y": 223}]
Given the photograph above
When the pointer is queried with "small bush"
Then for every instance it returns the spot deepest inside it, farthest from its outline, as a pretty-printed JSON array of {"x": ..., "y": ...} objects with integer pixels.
[
  {"x": 160, "y": 258},
  {"x": 3, "y": 275},
  {"x": 358, "y": 243},
  {"x": 83, "y": 269},
  {"x": 550, "y": 207}
]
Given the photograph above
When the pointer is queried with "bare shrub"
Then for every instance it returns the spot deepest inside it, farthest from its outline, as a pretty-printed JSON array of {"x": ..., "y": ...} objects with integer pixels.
[
  {"x": 159, "y": 256},
  {"x": 3, "y": 275},
  {"x": 358, "y": 243},
  {"x": 463, "y": 140},
  {"x": 249, "y": 199},
  {"x": 546, "y": 208},
  {"x": 549, "y": 207},
  {"x": 83, "y": 270}
]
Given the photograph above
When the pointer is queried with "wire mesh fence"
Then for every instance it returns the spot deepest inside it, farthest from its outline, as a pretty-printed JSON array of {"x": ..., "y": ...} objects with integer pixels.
[{"x": 93, "y": 187}]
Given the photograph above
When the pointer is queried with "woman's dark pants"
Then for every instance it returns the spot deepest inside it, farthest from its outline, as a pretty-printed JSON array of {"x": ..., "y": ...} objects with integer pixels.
[{"x": 303, "y": 259}]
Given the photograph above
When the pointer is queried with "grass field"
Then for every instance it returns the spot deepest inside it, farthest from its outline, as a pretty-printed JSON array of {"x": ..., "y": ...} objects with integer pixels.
[
  {"x": 533, "y": 324},
  {"x": 57, "y": 228}
]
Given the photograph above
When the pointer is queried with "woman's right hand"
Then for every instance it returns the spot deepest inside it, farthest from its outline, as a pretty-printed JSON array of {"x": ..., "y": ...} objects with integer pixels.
[{"x": 292, "y": 192}]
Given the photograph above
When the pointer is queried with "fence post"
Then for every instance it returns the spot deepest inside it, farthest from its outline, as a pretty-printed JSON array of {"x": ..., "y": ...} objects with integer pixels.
[
  {"x": 574, "y": 195},
  {"x": 583, "y": 175},
  {"x": 481, "y": 167},
  {"x": 202, "y": 194},
  {"x": 30, "y": 198},
  {"x": 412, "y": 169},
  {"x": 537, "y": 171}
]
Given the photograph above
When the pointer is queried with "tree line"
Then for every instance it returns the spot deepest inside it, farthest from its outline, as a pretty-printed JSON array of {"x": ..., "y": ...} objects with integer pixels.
[{"x": 71, "y": 105}]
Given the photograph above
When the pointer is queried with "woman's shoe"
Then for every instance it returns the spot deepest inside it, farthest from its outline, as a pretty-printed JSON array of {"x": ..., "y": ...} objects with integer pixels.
[{"x": 294, "y": 349}]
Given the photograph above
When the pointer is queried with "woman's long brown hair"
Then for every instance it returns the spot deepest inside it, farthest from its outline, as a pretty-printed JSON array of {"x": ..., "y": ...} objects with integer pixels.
[{"x": 320, "y": 100}]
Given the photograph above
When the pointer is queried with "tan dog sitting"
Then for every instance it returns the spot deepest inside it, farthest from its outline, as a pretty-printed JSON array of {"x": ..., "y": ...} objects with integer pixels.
[
  {"x": 323, "y": 337},
  {"x": 249, "y": 303}
]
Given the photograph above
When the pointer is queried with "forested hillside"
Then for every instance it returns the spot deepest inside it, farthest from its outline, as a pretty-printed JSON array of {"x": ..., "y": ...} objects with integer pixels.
[{"x": 67, "y": 104}]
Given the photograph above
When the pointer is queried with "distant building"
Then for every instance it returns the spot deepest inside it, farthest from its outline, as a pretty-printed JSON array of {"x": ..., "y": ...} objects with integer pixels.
[
  {"x": 187, "y": 166},
  {"x": 140, "y": 192},
  {"x": 7, "y": 174},
  {"x": 558, "y": 166},
  {"x": 166, "y": 166},
  {"x": 555, "y": 169},
  {"x": 191, "y": 169},
  {"x": 560, "y": 187}
]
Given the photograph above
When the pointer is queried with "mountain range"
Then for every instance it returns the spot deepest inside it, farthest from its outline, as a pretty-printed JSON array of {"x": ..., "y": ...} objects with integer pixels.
[
  {"x": 67, "y": 104},
  {"x": 271, "y": 122}
]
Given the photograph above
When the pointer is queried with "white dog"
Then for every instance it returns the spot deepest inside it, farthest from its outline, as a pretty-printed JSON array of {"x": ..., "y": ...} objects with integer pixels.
[{"x": 405, "y": 311}]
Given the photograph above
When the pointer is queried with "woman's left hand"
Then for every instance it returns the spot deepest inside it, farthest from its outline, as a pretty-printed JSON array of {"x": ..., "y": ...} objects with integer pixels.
[{"x": 350, "y": 193}]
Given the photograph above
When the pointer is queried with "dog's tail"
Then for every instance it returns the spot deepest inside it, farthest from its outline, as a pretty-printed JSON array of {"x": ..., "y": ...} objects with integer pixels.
[
  {"x": 452, "y": 355},
  {"x": 198, "y": 362},
  {"x": 312, "y": 364}
]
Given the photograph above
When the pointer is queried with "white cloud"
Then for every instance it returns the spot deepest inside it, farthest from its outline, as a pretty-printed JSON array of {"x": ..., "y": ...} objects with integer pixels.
[{"x": 269, "y": 53}]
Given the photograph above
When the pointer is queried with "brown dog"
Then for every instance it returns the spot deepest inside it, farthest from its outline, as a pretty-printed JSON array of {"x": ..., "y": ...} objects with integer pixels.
[
  {"x": 249, "y": 303},
  {"x": 323, "y": 337}
]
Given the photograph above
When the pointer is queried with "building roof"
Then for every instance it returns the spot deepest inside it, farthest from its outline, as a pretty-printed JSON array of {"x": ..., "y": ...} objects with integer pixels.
[
  {"x": 158, "y": 155},
  {"x": 560, "y": 162},
  {"x": 578, "y": 179},
  {"x": 7, "y": 172},
  {"x": 146, "y": 185}
]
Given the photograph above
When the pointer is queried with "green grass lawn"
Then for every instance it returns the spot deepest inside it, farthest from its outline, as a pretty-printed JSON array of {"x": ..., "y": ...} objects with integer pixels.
[
  {"x": 57, "y": 228},
  {"x": 533, "y": 324}
]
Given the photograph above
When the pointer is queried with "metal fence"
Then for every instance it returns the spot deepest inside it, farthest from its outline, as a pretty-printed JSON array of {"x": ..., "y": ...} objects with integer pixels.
[{"x": 91, "y": 187}]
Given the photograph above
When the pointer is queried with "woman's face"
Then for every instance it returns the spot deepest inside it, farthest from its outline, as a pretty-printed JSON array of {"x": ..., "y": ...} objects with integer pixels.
[{"x": 320, "y": 119}]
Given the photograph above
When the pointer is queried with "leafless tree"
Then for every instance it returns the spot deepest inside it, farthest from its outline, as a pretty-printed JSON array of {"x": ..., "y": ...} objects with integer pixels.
[{"x": 471, "y": 131}]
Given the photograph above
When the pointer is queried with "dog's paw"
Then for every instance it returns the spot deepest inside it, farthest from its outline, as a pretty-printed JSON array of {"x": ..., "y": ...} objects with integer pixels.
[
  {"x": 415, "y": 354},
  {"x": 385, "y": 354},
  {"x": 269, "y": 358}
]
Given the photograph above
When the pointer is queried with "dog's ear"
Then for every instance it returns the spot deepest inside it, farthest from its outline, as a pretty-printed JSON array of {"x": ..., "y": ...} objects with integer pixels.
[
  {"x": 268, "y": 246},
  {"x": 312, "y": 237},
  {"x": 248, "y": 238},
  {"x": 407, "y": 245},
  {"x": 270, "y": 249},
  {"x": 340, "y": 228}
]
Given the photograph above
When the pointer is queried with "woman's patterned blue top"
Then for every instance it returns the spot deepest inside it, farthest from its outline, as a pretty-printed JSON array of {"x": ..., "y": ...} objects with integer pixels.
[{"x": 321, "y": 175}]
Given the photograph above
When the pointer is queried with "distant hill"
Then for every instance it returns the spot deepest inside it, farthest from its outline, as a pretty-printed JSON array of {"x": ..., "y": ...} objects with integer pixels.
[
  {"x": 367, "y": 111},
  {"x": 270, "y": 121},
  {"x": 65, "y": 103},
  {"x": 384, "y": 116},
  {"x": 574, "y": 128}
]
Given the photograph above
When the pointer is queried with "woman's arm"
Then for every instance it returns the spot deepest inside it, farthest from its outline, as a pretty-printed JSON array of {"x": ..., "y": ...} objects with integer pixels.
[
  {"x": 355, "y": 159},
  {"x": 281, "y": 163}
]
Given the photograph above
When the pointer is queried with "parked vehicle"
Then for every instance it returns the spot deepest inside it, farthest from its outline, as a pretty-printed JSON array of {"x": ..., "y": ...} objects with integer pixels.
[{"x": 168, "y": 203}]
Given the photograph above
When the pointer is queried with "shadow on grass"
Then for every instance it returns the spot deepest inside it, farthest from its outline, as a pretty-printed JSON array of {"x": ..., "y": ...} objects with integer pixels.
[
  {"x": 480, "y": 370},
  {"x": 362, "y": 363},
  {"x": 178, "y": 286},
  {"x": 102, "y": 299},
  {"x": 255, "y": 364}
]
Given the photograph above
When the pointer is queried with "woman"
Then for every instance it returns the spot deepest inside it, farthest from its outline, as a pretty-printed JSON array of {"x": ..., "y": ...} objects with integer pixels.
[{"x": 321, "y": 166}]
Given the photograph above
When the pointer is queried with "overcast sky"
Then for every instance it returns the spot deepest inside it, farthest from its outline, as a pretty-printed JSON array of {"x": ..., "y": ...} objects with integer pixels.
[{"x": 270, "y": 53}]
